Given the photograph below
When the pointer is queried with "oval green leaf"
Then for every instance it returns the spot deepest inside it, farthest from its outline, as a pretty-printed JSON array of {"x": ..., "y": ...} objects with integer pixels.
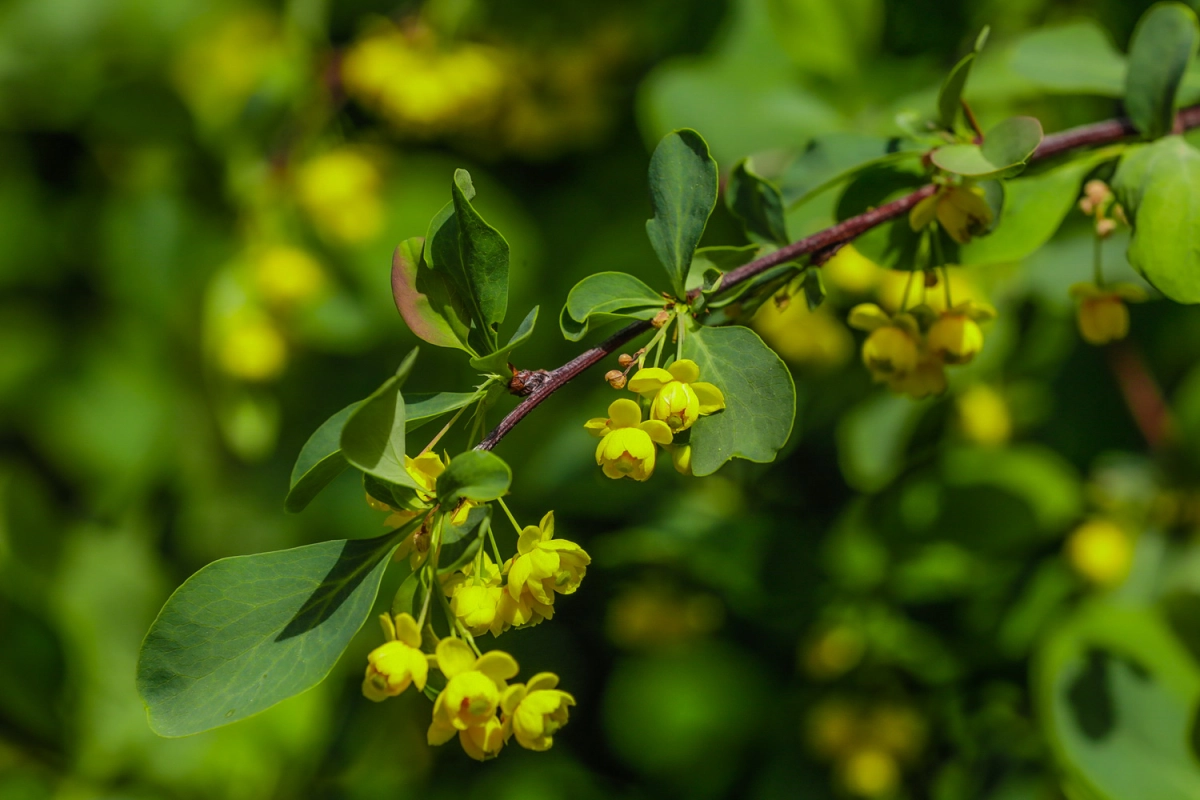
[
  {"x": 373, "y": 436},
  {"x": 604, "y": 297},
  {"x": 1160, "y": 52},
  {"x": 428, "y": 304},
  {"x": 758, "y": 204},
  {"x": 683, "y": 193},
  {"x": 477, "y": 475},
  {"x": 319, "y": 462},
  {"x": 1004, "y": 151}
]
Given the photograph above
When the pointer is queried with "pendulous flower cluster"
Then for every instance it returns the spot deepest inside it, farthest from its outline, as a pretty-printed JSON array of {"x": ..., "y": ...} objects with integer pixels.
[{"x": 675, "y": 397}]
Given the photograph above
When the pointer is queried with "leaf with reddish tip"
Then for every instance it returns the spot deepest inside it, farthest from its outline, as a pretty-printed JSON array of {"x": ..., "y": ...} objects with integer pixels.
[{"x": 425, "y": 300}]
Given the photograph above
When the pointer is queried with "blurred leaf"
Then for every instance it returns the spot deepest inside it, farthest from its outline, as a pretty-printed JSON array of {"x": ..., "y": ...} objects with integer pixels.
[
  {"x": 1005, "y": 149},
  {"x": 1160, "y": 52},
  {"x": 1078, "y": 58},
  {"x": 683, "y": 192},
  {"x": 402, "y": 601},
  {"x": 1159, "y": 186},
  {"x": 373, "y": 435},
  {"x": 872, "y": 438},
  {"x": 319, "y": 462},
  {"x": 1039, "y": 476},
  {"x": 758, "y": 204},
  {"x": 760, "y": 398},
  {"x": 829, "y": 39},
  {"x": 892, "y": 244},
  {"x": 606, "y": 296},
  {"x": 949, "y": 99},
  {"x": 477, "y": 475},
  {"x": 429, "y": 305},
  {"x": 275, "y": 624},
  {"x": 249, "y": 421},
  {"x": 836, "y": 158},
  {"x": 497, "y": 362}
]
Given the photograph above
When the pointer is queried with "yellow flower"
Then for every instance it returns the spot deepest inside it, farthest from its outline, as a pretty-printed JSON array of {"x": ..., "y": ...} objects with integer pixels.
[
  {"x": 956, "y": 337},
  {"x": 869, "y": 772},
  {"x": 961, "y": 211},
  {"x": 929, "y": 378},
  {"x": 535, "y": 712},
  {"x": 467, "y": 706},
  {"x": 1102, "y": 315},
  {"x": 340, "y": 191},
  {"x": 680, "y": 398},
  {"x": 681, "y": 458},
  {"x": 395, "y": 664},
  {"x": 475, "y": 599},
  {"x": 287, "y": 275},
  {"x": 253, "y": 350},
  {"x": 544, "y": 565},
  {"x": 983, "y": 416},
  {"x": 891, "y": 351},
  {"x": 425, "y": 469},
  {"x": 626, "y": 448},
  {"x": 802, "y": 337},
  {"x": 1101, "y": 552},
  {"x": 517, "y": 612}
]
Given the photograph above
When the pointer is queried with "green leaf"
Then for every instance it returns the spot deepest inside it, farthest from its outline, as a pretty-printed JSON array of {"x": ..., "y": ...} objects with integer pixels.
[
  {"x": 873, "y": 438},
  {"x": 1078, "y": 58},
  {"x": 373, "y": 436},
  {"x": 477, "y": 475},
  {"x": 497, "y": 362},
  {"x": 758, "y": 204},
  {"x": 1159, "y": 186},
  {"x": 893, "y": 244},
  {"x": 319, "y": 462},
  {"x": 709, "y": 264},
  {"x": 1005, "y": 149},
  {"x": 402, "y": 600},
  {"x": 949, "y": 100},
  {"x": 760, "y": 398},
  {"x": 420, "y": 408},
  {"x": 828, "y": 161},
  {"x": 1034, "y": 207},
  {"x": 244, "y": 633},
  {"x": 683, "y": 192},
  {"x": 428, "y": 303},
  {"x": 484, "y": 258},
  {"x": 1160, "y": 52},
  {"x": 604, "y": 297},
  {"x": 814, "y": 289}
]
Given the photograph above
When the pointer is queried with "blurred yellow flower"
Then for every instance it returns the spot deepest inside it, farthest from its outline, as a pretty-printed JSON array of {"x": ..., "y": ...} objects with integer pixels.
[
  {"x": 468, "y": 704},
  {"x": 983, "y": 416},
  {"x": 221, "y": 66},
  {"x": 340, "y": 191},
  {"x": 1102, "y": 315},
  {"x": 803, "y": 337},
  {"x": 626, "y": 446},
  {"x": 392, "y": 666},
  {"x": 679, "y": 397},
  {"x": 961, "y": 211},
  {"x": 869, "y": 772},
  {"x": 895, "y": 283},
  {"x": 253, "y": 349},
  {"x": 927, "y": 379},
  {"x": 536, "y": 711},
  {"x": 851, "y": 271},
  {"x": 656, "y": 617},
  {"x": 1101, "y": 552},
  {"x": 955, "y": 336},
  {"x": 892, "y": 349},
  {"x": 835, "y": 651},
  {"x": 287, "y": 276}
]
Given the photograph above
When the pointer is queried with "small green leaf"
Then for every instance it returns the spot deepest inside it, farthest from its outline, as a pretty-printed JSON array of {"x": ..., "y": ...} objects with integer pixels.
[
  {"x": 1078, "y": 58},
  {"x": 423, "y": 407},
  {"x": 497, "y": 362},
  {"x": 1159, "y": 186},
  {"x": 319, "y": 462},
  {"x": 1004, "y": 151},
  {"x": 949, "y": 100},
  {"x": 814, "y": 289},
  {"x": 604, "y": 297},
  {"x": 429, "y": 305},
  {"x": 477, "y": 475},
  {"x": 373, "y": 436},
  {"x": 244, "y": 633},
  {"x": 402, "y": 601},
  {"x": 1160, "y": 52},
  {"x": 709, "y": 265},
  {"x": 760, "y": 398},
  {"x": 683, "y": 192},
  {"x": 758, "y": 204}
]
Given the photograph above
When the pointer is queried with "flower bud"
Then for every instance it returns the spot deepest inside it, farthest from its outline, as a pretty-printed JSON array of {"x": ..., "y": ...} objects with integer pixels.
[
  {"x": 661, "y": 318},
  {"x": 625, "y": 360},
  {"x": 1097, "y": 191},
  {"x": 1103, "y": 319},
  {"x": 1087, "y": 206},
  {"x": 1105, "y": 227},
  {"x": 615, "y": 378}
]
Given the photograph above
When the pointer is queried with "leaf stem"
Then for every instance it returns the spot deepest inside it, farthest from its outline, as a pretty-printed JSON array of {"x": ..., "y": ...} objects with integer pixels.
[
  {"x": 445, "y": 429},
  {"x": 511, "y": 518},
  {"x": 1097, "y": 258}
]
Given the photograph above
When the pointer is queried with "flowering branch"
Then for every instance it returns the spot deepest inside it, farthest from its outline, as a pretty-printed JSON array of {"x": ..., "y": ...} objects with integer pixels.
[{"x": 544, "y": 384}]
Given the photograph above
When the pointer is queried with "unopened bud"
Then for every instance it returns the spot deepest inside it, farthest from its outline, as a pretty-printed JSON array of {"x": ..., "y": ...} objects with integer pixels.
[
  {"x": 1096, "y": 191},
  {"x": 1118, "y": 213},
  {"x": 615, "y": 378},
  {"x": 931, "y": 279},
  {"x": 625, "y": 360},
  {"x": 1105, "y": 227},
  {"x": 661, "y": 318},
  {"x": 782, "y": 301},
  {"x": 1087, "y": 206}
]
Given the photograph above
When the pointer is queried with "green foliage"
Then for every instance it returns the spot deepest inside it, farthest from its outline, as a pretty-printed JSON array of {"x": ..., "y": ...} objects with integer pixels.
[
  {"x": 476, "y": 475},
  {"x": 426, "y": 300},
  {"x": 683, "y": 192},
  {"x": 319, "y": 462},
  {"x": 760, "y": 398},
  {"x": 497, "y": 362},
  {"x": 276, "y": 624},
  {"x": 604, "y": 297},
  {"x": 758, "y": 204},
  {"x": 949, "y": 100},
  {"x": 1159, "y": 186},
  {"x": 1077, "y": 58},
  {"x": 1160, "y": 53},
  {"x": 373, "y": 434},
  {"x": 1004, "y": 151}
]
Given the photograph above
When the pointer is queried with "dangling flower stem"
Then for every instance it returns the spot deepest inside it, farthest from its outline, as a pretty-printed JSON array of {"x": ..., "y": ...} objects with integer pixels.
[
  {"x": 680, "y": 332},
  {"x": 495, "y": 550},
  {"x": 442, "y": 432},
  {"x": 425, "y": 605},
  {"x": 1097, "y": 257},
  {"x": 907, "y": 291},
  {"x": 511, "y": 518}
]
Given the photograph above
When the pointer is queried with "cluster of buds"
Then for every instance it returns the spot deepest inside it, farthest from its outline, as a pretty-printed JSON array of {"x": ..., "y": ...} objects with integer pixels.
[
  {"x": 1102, "y": 314},
  {"x": 676, "y": 398},
  {"x": 909, "y": 351},
  {"x": 867, "y": 745},
  {"x": 617, "y": 378},
  {"x": 476, "y": 703},
  {"x": 1098, "y": 201}
]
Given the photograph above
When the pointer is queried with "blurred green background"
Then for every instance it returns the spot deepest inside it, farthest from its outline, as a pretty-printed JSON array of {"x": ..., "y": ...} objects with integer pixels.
[{"x": 198, "y": 204}]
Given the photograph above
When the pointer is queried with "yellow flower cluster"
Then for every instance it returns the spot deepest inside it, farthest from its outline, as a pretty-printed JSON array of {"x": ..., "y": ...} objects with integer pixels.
[
  {"x": 340, "y": 190},
  {"x": 909, "y": 350},
  {"x": 1101, "y": 552},
  {"x": 477, "y": 703},
  {"x": 677, "y": 398},
  {"x": 960, "y": 210},
  {"x": 1102, "y": 315},
  {"x": 424, "y": 470},
  {"x": 542, "y": 567},
  {"x": 868, "y": 746}
]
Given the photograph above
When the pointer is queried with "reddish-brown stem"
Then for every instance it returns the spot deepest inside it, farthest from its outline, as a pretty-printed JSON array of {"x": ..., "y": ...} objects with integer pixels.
[
  {"x": 1054, "y": 144},
  {"x": 1142, "y": 394}
]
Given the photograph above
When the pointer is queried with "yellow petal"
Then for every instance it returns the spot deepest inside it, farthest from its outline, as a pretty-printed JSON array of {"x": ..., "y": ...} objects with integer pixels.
[
  {"x": 407, "y": 631},
  {"x": 624, "y": 413},
  {"x": 868, "y": 317},
  {"x": 685, "y": 370},
  {"x": 923, "y": 212},
  {"x": 597, "y": 426},
  {"x": 454, "y": 657},
  {"x": 658, "y": 430},
  {"x": 547, "y": 525},
  {"x": 711, "y": 398},
  {"x": 418, "y": 667},
  {"x": 497, "y": 665},
  {"x": 529, "y": 538},
  {"x": 649, "y": 380},
  {"x": 440, "y": 732},
  {"x": 681, "y": 458},
  {"x": 518, "y": 576},
  {"x": 541, "y": 681},
  {"x": 512, "y": 696}
]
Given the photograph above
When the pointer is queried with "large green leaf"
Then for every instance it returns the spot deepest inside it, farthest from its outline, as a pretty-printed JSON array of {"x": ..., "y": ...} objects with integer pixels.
[
  {"x": 1159, "y": 186},
  {"x": 683, "y": 192},
  {"x": 1117, "y": 693},
  {"x": 757, "y": 203},
  {"x": 429, "y": 304},
  {"x": 1034, "y": 207},
  {"x": 478, "y": 475},
  {"x": 760, "y": 398},
  {"x": 484, "y": 258},
  {"x": 373, "y": 435},
  {"x": 244, "y": 633},
  {"x": 1078, "y": 58},
  {"x": 1005, "y": 149},
  {"x": 319, "y": 462},
  {"x": 420, "y": 408},
  {"x": 830, "y": 160},
  {"x": 1160, "y": 52},
  {"x": 497, "y": 362},
  {"x": 949, "y": 100},
  {"x": 606, "y": 296}
]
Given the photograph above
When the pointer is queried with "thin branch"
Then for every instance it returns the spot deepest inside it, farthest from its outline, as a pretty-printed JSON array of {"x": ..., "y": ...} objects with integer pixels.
[{"x": 845, "y": 231}]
